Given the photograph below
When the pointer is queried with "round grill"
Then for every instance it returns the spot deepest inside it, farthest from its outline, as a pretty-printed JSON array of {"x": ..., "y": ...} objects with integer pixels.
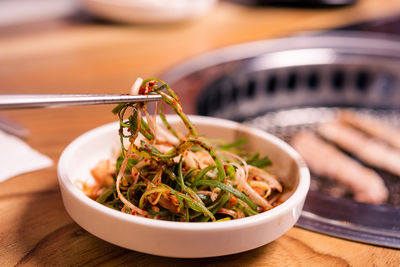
[{"x": 286, "y": 85}]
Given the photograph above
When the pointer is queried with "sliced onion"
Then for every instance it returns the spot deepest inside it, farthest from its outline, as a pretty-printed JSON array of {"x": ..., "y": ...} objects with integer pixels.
[
  {"x": 263, "y": 185},
  {"x": 203, "y": 159},
  {"x": 189, "y": 161},
  {"x": 155, "y": 201},
  {"x": 245, "y": 165},
  {"x": 135, "y": 175},
  {"x": 229, "y": 212},
  {"x": 136, "y": 86},
  {"x": 119, "y": 177},
  {"x": 213, "y": 196},
  {"x": 157, "y": 177},
  {"x": 242, "y": 185},
  {"x": 151, "y": 122},
  {"x": 268, "y": 178},
  {"x": 165, "y": 136},
  {"x": 143, "y": 163}
]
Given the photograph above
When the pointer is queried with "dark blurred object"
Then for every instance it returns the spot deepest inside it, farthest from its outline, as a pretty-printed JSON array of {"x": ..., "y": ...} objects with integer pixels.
[
  {"x": 387, "y": 25},
  {"x": 298, "y": 3},
  {"x": 308, "y": 3}
]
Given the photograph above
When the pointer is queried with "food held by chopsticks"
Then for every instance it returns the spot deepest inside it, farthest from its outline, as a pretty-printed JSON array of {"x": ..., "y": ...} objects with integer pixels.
[
  {"x": 326, "y": 160},
  {"x": 164, "y": 174}
]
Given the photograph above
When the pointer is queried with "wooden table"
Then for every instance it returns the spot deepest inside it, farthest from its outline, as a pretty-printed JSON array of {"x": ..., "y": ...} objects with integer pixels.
[{"x": 105, "y": 58}]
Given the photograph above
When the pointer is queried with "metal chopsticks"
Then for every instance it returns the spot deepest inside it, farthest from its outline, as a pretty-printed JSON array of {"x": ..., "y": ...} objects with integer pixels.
[{"x": 62, "y": 100}]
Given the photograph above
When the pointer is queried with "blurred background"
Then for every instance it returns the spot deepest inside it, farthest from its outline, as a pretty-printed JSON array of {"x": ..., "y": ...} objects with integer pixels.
[
  {"x": 280, "y": 65},
  {"x": 82, "y": 40}
]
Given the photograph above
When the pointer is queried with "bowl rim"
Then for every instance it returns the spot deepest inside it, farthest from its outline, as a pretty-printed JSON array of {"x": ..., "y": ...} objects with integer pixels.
[{"x": 298, "y": 195}]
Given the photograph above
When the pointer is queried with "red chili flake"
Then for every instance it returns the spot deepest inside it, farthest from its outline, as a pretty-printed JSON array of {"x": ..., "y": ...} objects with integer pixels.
[
  {"x": 142, "y": 90},
  {"x": 232, "y": 200}
]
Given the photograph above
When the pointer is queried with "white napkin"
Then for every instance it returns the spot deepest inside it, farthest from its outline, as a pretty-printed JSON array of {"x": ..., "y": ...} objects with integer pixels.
[{"x": 16, "y": 157}]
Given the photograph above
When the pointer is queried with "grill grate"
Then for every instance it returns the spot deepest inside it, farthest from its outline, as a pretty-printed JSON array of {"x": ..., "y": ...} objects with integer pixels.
[{"x": 254, "y": 93}]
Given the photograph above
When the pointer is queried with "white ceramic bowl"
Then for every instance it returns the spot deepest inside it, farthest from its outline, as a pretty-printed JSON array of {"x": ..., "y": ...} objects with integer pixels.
[
  {"x": 183, "y": 239},
  {"x": 148, "y": 11}
]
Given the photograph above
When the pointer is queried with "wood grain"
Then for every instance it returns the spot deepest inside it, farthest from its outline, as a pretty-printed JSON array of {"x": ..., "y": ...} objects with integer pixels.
[{"x": 35, "y": 229}]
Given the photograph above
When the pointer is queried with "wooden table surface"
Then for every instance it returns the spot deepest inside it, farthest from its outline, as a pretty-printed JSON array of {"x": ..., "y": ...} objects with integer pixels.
[{"x": 69, "y": 57}]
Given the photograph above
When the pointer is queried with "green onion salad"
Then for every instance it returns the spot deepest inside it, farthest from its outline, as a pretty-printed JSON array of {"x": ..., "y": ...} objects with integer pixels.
[{"x": 164, "y": 174}]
